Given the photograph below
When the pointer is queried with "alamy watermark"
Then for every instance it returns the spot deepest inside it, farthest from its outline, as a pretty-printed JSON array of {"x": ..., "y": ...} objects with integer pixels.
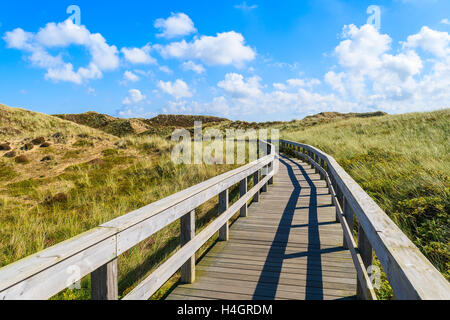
[
  {"x": 213, "y": 147},
  {"x": 75, "y": 12},
  {"x": 375, "y": 16}
]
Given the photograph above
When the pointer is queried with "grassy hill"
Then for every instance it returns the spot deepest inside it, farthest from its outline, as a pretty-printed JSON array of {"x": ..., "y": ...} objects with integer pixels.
[
  {"x": 403, "y": 163},
  {"x": 38, "y": 145},
  {"x": 90, "y": 177},
  {"x": 69, "y": 176},
  {"x": 162, "y": 125}
]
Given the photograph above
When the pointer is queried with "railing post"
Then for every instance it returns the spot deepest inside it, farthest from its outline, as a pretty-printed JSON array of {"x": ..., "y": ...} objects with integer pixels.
[
  {"x": 187, "y": 233},
  {"x": 264, "y": 173},
  {"x": 104, "y": 282},
  {"x": 366, "y": 252},
  {"x": 242, "y": 192},
  {"x": 348, "y": 215},
  {"x": 270, "y": 171},
  {"x": 223, "y": 206},
  {"x": 255, "y": 182}
]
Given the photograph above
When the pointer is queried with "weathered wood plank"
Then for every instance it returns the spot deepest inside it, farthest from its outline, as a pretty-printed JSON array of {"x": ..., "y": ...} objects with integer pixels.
[
  {"x": 243, "y": 186},
  {"x": 224, "y": 231},
  {"x": 153, "y": 282},
  {"x": 45, "y": 283},
  {"x": 104, "y": 285},
  {"x": 307, "y": 262},
  {"x": 187, "y": 233}
]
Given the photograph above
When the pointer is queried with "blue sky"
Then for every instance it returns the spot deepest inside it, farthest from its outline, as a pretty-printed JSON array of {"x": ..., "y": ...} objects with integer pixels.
[{"x": 254, "y": 60}]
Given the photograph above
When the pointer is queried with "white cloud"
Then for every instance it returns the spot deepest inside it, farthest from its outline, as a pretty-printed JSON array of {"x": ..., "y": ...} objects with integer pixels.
[
  {"x": 135, "y": 112},
  {"x": 280, "y": 86},
  {"x": 362, "y": 48},
  {"x": 138, "y": 55},
  {"x": 296, "y": 83},
  {"x": 372, "y": 77},
  {"x": 369, "y": 76},
  {"x": 335, "y": 81},
  {"x": 130, "y": 76},
  {"x": 176, "y": 25},
  {"x": 62, "y": 35},
  {"x": 19, "y": 39},
  {"x": 192, "y": 66},
  {"x": 134, "y": 96},
  {"x": 427, "y": 39},
  {"x": 178, "y": 89},
  {"x": 235, "y": 86},
  {"x": 445, "y": 21},
  {"x": 166, "y": 69},
  {"x": 67, "y": 33},
  {"x": 226, "y": 48},
  {"x": 91, "y": 90}
]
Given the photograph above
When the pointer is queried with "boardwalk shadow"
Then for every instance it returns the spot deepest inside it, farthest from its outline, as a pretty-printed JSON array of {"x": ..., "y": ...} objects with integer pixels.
[{"x": 277, "y": 252}]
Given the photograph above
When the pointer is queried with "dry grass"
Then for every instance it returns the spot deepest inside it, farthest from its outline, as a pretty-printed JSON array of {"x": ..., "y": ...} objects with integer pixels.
[{"x": 403, "y": 163}]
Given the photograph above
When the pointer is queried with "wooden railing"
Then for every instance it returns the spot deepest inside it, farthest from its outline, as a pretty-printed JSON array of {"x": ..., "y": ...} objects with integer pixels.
[
  {"x": 95, "y": 252},
  {"x": 409, "y": 273}
]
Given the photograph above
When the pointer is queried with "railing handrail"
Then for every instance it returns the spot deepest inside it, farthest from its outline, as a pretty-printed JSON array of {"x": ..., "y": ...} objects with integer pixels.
[
  {"x": 410, "y": 274},
  {"x": 44, "y": 274}
]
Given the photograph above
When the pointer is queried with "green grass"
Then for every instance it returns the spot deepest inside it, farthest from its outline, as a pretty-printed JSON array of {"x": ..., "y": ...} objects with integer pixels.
[
  {"x": 123, "y": 181},
  {"x": 403, "y": 163}
]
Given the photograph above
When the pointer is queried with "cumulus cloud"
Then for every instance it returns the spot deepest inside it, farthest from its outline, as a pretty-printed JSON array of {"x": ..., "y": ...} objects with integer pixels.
[
  {"x": 372, "y": 77},
  {"x": 134, "y": 96},
  {"x": 135, "y": 112},
  {"x": 178, "y": 89},
  {"x": 192, "y": 66},
  {"x": 296, "y": 83},
  {"x": 138, "y": 55},
  {"x": 227, "y": 48},
  {"x": 129, "y": 76},
  {"x": 362, "y": 48},
  {"x": 235, "y": 86},
  {"x": 430, "y": 40},
  {"x": 62, "y": 35},
  {"x": 445, "y": 21},
  {"x": 165, "y": 69},
  {"x": 178, "y": 24}
]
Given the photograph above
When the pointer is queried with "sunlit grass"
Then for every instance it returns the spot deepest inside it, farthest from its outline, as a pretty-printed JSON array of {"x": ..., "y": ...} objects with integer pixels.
[{"x": 403, "y": 163}]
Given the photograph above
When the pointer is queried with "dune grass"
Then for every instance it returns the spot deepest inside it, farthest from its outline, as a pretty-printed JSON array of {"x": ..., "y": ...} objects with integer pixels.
[
  {"x": 40, "y": 212},
  {"x": 403, "y": 163}
]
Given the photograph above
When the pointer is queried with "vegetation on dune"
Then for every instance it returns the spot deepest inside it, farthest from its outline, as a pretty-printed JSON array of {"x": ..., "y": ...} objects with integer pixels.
[
  {"x": 94, "y": 168},
  {"x": 162, "y": 125},
  {"x": 403, "y": 163},
  {"x": 100, "y": 180}
]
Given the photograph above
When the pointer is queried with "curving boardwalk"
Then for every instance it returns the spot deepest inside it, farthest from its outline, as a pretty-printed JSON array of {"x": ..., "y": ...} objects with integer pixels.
[{"x": 289, "y": 247}]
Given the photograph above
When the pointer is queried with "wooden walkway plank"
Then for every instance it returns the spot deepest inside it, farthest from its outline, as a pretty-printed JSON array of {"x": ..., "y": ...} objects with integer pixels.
[{"x": 288, "y": 247}]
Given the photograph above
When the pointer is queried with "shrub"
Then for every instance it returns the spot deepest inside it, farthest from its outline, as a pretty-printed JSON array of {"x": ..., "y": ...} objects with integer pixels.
[
  {"x": 46, "y": 158},
  {"x": 83, "y": 143},
  {"x": 5, "y": 146},
  {"x": 10, "y": 154},
  {"x": 110, "y": 152},
  {"x": 27, "y": 147},
  {"x": 21, "y": 159},
  {"x": 38, "y": 141}
]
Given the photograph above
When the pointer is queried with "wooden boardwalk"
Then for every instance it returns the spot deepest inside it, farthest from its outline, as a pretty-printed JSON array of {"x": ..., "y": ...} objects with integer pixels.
[{"x": 290, "y": 247}]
